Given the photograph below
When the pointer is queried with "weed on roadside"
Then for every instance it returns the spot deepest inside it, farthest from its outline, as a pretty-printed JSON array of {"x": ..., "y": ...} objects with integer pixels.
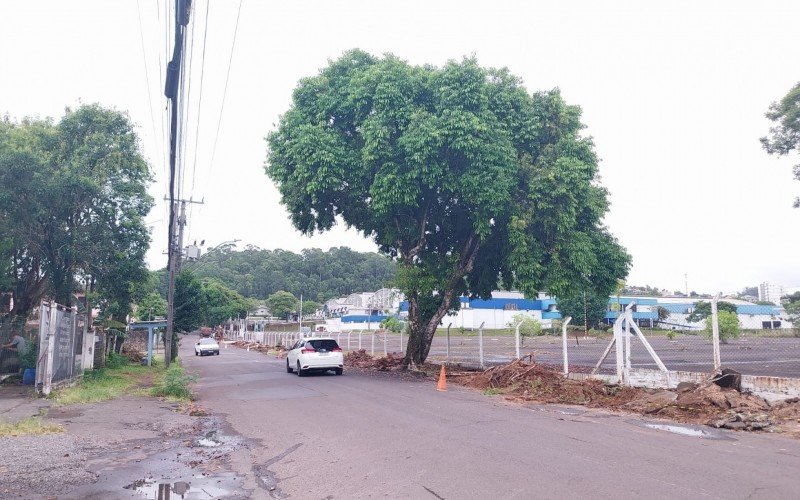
[
  {"x": 105, "y": 383},
  {"x": 174, "y": 384},
  {"x": 28, "y": 426},
  {"x": 492, "y": 391}
]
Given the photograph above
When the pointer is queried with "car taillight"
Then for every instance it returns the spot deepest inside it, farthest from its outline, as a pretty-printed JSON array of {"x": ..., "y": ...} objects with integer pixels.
[
  {"x": 336, "y": 349},
  {"x": 306, "y": 350}
]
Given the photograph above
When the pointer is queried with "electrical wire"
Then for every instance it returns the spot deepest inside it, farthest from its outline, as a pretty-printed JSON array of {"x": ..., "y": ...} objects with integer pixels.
[
  {"x": 147, "y": 83},
  {"x": 197, "y": 120},
  {"x": 187, "y": 106},
  {"x": 200, "y": 99},
  {"x": 224, "y": 92}
]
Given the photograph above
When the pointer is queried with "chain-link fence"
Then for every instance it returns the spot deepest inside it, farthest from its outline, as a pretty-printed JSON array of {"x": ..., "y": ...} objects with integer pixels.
[{"x": 754, "y": 339}]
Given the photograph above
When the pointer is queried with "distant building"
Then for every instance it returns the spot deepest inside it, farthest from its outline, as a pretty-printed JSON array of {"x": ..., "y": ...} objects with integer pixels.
[
  {"x": 770, "y": 292},
  {"x": 361, "y": 311}
]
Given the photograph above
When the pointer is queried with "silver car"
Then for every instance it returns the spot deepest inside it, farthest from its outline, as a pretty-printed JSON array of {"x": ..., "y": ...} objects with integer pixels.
[{"x": 206, "y": 346}]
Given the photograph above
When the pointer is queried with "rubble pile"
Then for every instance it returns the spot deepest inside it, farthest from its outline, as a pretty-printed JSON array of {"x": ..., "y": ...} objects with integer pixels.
[
  {"x": 278, "y": 351},
  {"x": 360, "y": 359},
  {"x": 706, "y": 403},
  {"x": 539, "y": 382}
]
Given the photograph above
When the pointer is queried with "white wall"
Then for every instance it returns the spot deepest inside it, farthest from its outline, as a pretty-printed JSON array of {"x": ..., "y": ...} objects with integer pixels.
[{"x": 493, "y": 319}]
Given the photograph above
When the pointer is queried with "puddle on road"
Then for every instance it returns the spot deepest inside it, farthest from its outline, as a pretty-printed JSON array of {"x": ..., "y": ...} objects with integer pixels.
[
  {"x": 199, "y": 487},
  {"x": 210, "y": 440},
  {"x": 686, "y": 430}
]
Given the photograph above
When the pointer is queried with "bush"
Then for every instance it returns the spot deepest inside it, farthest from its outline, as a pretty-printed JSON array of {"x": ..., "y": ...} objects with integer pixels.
[
  {"x": 728, "y": 326},
  {"x": 392, "y": 324},
  {"x": 114, "y": 360},
  {"x": 175, "y": 383},
  {"x": 529, "y": 327},
  {"x": 28, "y": 360}
]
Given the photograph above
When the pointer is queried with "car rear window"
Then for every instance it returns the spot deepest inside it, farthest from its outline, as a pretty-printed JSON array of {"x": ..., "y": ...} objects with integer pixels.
[
  {"x": 323, "y": 344},
  {"x": 208, "y": 341}
]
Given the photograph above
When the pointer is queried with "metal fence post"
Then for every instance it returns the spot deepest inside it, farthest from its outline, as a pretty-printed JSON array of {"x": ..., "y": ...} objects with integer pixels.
[
  {"x": 447, "y": 359},
  {"x": 628, "y": 321},
  {"x": 401, "y": 341},
  {"x": 359, "y": 339},
  {"x": 516, "y": 339},
  {"x": 348, "y": 340},
  {"x": 372, "y": 344},
  {"x": 385, "y": 347},
  {"x": 480, "y": 344},
  {"x": 620, "y": 353},
  {"x": 715, "y": 334},
  {"x": 564, "y": 343}
]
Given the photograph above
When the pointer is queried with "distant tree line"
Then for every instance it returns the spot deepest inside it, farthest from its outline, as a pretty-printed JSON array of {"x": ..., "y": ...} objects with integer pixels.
[{"x": 316, "y": 274}]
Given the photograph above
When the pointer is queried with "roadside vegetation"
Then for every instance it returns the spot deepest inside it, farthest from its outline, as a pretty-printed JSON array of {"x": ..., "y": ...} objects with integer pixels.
[
  {"x": 173, "y": 384},
  {"x": 122, "y": 377},
  {"x": 28, "y": 426}
]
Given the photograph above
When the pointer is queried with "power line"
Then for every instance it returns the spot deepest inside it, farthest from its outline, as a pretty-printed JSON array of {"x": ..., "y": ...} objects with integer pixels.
[
  {"x": 187, "y": 104},
  {"x": 200, "y": 99},
  {"x": 225, "y": 91},
  {"x": 147, "y": 83},
  {"x": 161, "y": 83},
  {"x": 197, "y": 120}
]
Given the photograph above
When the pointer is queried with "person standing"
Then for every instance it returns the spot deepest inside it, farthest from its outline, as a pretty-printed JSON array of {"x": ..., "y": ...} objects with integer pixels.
[{"x": 17, "y": 344}]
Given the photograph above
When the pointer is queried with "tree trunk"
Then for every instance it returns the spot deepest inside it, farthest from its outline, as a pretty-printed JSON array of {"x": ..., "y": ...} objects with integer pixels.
[{"x": 422, "y": 331}]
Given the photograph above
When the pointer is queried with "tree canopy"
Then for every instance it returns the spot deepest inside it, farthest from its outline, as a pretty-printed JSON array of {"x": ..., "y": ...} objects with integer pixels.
[
  {"x": 457, "y": 172},
  {"x": 282, "y": 303},
  {"x": 73, "y": 197},
  {"x": 205, "y": 302},
  {"x": 784, "y": 136},
  {"x": 586, "y": 309},
  {"x": 702, "y": 310}
]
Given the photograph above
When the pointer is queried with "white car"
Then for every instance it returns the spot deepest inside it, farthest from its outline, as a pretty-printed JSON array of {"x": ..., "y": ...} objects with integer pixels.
[
  {"x": 206, "y": 346},
  {"x": 315, "y": 354}
]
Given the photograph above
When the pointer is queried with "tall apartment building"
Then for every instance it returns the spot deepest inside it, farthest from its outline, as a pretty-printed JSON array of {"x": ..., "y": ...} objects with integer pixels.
[{"x": 770, "y": 292}]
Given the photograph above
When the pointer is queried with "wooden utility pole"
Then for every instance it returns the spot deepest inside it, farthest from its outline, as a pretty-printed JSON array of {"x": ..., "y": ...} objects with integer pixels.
[{"x": 182, "y": 11}]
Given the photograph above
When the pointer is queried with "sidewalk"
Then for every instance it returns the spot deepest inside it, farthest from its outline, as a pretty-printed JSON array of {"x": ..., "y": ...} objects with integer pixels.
[{"x": 19, "y": 401}]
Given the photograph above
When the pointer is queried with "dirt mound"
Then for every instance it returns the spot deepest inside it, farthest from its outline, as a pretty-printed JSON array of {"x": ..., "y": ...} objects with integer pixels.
[
  {"x": 278, "y": 351},
  {"x": 360, "y": 359},
  {"x": 705, "y": 403},
  {"x": 539, "y": 382}
]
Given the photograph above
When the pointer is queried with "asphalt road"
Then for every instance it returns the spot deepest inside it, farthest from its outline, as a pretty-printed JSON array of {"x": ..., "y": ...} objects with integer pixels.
[{"x": 363, "y": 436}]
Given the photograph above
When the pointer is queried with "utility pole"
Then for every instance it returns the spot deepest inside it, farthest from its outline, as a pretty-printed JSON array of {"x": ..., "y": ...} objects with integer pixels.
[
  {"x": 176, "y": 259},
  {"x": 182, "y": 11}
]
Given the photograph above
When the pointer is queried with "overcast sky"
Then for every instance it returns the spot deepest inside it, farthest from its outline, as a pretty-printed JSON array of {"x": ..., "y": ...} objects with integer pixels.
[{"x": 674, "y": 94}]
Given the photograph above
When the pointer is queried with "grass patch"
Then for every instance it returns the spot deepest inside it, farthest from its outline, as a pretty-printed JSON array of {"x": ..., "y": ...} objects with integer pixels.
[
  {"x": 31, "y": 426},
  {"x": 174, "y": 384},
  {"x": 106, "y": 383},
  {"x": 492, "y": 391}
]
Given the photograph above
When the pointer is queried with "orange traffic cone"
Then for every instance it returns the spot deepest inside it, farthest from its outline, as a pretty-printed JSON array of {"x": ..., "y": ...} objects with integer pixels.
[{"x": 442, "y": 380}]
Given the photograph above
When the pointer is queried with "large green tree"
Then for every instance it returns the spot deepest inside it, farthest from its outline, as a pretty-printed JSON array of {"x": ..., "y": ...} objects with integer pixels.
[
  {"x": 282, "y": 303},
  {"x": 784, "y": 136},
  {"x": 73, "y": 197},
  {"x": 458, "y": 173},
  {"x": 586, "y": 307}
]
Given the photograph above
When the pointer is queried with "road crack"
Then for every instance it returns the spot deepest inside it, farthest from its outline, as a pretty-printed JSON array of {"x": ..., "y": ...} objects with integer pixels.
[
  {"x": 265, "y": 478},
  {"x": 433, "y": 493}
]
